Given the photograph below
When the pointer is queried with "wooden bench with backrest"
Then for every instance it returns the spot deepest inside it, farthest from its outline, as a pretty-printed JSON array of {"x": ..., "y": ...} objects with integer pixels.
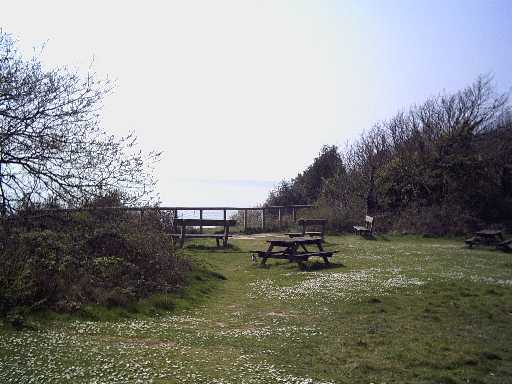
[
  {"x": 305, "y": 223},
  {"x": 367, "y": 229},
  {"x": 184, "y": 223}
]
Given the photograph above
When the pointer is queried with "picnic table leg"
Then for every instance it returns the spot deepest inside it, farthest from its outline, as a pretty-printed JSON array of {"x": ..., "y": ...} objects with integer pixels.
[
  {"x": 263, "y": 258},
  {"x": 290, "y": 251}
]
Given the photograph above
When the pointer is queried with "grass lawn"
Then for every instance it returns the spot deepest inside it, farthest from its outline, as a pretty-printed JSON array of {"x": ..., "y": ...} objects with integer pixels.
[{"x": 395, "y": 310}]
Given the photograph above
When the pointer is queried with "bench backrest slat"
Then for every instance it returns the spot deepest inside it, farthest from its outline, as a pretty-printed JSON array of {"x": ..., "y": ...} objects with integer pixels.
[
  {"x": 312, "y": 222},
  {"x": 368, "y": 221},
  {"x": 205, "y": 222}
]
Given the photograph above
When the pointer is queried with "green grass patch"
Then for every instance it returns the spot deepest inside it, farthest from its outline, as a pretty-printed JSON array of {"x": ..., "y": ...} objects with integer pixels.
[
  {"x": 401, "y": 310},
  {"x": 199, "y": 284}
]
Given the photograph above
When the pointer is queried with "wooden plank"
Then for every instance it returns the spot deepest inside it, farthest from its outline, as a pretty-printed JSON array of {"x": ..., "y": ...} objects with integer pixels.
[
  {"x": 298, "y": 241},
  {"x": 488, "y": 232},
  {"x": 312, "y": 221},
  {"x": 205, "y": 222},
  {"x": 311, "y": 254},
  {"x": 199, "y": 235},
  {"x": 294, "y": 234}
]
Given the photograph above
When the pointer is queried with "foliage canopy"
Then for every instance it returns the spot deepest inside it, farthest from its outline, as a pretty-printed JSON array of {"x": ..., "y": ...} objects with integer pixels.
[
  {"x": 442, "y": 166},
  {"x": 51, "y": 140}
]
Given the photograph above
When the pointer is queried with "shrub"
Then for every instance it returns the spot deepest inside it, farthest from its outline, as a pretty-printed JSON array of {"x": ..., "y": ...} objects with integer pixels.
[{"x": 87, "y": 258}]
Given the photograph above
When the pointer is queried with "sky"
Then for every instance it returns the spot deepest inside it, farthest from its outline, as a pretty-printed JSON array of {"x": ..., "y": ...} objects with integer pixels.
[{"x": 239, "y": 95}]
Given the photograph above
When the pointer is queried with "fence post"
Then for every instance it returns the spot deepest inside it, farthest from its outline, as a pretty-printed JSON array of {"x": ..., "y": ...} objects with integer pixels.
[
  {"x": 201, "y": 219},
  {"x": 280, "y": 218},
  {"x": 263, "y": 218},
  {"x": 294, "y": 214},
  {"x": 245, "y": 220},
  {"x": 174, "y": 225}
]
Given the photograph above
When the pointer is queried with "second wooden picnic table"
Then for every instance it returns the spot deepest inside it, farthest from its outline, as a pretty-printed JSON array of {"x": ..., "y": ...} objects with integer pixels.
[
  {"x": 487, "y": 237},
  {"x": 490, "y": 235},
  {"x": 294, "y": 249}
]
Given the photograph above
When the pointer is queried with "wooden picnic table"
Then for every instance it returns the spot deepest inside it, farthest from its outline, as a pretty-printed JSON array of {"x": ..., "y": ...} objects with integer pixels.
[
  {"x": 183, "y": 223},
  {"x": 486, "y": 236},
  {"x": 294, "y": 249},
  {"x": 490, "y": 235}
]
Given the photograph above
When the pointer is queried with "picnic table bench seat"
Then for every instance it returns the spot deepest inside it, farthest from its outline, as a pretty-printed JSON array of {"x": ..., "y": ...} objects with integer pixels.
[
  {"x": 217, "y": 236},
  {"x": 305, "y": 256},
  {"x": 300, "y": 256},
  {"x": 305, "y": 223},
  {"x": 184, "y": 223},
  {"x": 505, "y": 246},
  {"x": 472, "y": 241},
  {"x": 300, "y": 234}
]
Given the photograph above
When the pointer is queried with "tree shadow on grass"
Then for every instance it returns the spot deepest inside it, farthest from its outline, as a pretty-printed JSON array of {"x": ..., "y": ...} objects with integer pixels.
[
  {"x": 308, "y": 266},
  {"x": 213, "y": 248},
  {"x": 319, "y": 265}
]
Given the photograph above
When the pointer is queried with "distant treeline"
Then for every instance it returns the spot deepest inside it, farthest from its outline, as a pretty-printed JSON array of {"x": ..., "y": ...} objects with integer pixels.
[{"x": 441, "y": 167}]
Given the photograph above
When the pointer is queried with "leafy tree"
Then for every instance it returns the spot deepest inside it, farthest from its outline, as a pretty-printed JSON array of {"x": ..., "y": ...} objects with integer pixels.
[
  {"x": 308, "y": 185},
  {"x": 51, "y": 141},
  {"x": 441, "y": 166}
]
